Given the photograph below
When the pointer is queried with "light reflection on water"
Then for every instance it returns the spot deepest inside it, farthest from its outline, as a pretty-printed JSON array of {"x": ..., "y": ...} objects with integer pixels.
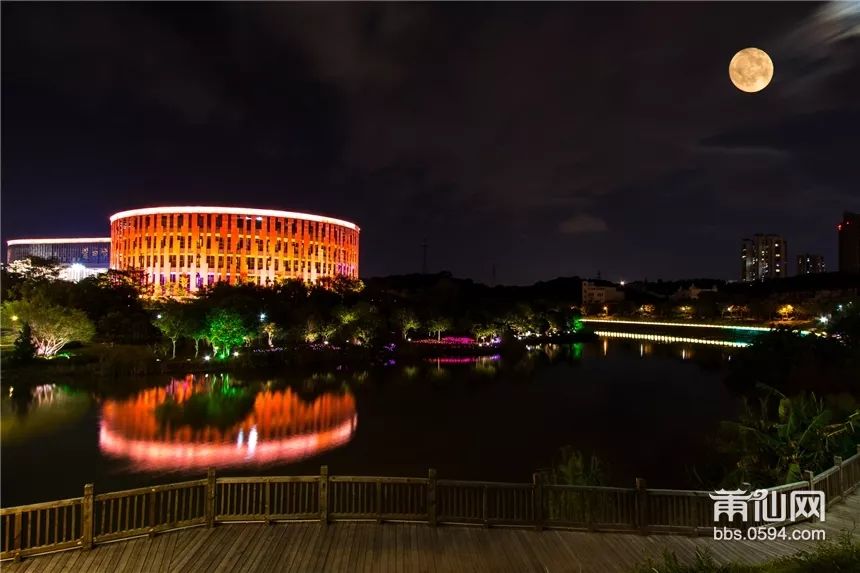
[
  {"x": 560, "y": 394},
  {"x": 195, "y": 422}
]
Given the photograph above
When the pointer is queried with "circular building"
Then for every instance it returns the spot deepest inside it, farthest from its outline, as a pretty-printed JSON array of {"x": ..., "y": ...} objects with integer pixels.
[{"x": 187, "y": 248}]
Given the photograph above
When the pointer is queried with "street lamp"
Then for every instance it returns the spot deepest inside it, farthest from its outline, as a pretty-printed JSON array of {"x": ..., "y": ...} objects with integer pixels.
[{"x": 262, "y": 317}]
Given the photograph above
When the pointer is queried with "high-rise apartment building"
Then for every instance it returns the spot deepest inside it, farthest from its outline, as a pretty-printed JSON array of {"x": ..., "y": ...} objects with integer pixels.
[
  {"x": 764, "y": 257},
  {"x": 849, "y": 243},
  {"x": 809, "y": 264}
]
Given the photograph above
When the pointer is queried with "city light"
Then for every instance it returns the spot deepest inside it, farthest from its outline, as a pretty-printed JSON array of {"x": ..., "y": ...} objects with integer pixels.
[
  {"x": 823, "y": 319},
  {"x": 59, "y": 240},
  {"x": 14, "y": 318},
  {"x": 207, "y": 358},
  {"x": 663, "y": 338},
  {"x": 262, "y": 316},
  {"x": 689, "y": 325}
]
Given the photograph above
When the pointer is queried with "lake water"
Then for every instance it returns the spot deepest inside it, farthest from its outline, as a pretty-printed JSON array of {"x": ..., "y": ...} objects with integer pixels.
[{"x": 646, "y": 409}]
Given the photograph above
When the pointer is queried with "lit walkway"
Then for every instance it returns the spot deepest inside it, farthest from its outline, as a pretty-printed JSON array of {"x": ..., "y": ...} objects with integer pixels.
[{"x": 375, "y": 548}]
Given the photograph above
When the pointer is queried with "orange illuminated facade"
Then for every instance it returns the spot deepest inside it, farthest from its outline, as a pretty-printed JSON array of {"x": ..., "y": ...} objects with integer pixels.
[{"x": 188, "y": 248}]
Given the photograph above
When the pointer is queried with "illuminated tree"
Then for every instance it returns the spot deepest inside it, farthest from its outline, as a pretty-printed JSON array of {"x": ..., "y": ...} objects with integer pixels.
[
  {"x": 226, "y": 331},
  {"x": 320, "y": 329},
  {"x": 173, "y": 322},
  {"x": 438, "y": 325},
  {"x": 270, "y": 329},
  {"x": 52, "y": 326},
  {"x": 34, "y": 268},
  {"x": 406, "y": 321},
  {"x": 482, "y": 331},
  {"x": 786, "y": 311}
]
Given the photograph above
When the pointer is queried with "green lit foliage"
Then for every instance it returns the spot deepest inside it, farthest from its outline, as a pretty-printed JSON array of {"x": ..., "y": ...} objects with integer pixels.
[
  {"x": 52, "y": 326},
  {"x": 485, "y": 331},
  {"x": 222, "y": 406},
  {"x": 780, "y": 437},
  {"x": 320, "y": 329},
  {"x": 574, "y": 468},
  {"x": 406, "y": 321},
  {"x": 24, "y": 349},
  {"x": 173, "y": 321},
  {"x": 226, "y": 331},
  {"x": 438, "y": 325}
]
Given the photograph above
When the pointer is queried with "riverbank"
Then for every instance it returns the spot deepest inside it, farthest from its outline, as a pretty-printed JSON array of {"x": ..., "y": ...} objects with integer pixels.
[{"x": 108, "y": 362}]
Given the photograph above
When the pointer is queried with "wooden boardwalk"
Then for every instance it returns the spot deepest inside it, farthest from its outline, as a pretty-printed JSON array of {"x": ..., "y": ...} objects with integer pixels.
[{"x": 367, "y": 546}]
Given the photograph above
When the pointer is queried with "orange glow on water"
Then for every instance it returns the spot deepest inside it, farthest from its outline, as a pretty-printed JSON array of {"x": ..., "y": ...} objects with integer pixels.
[{"x": 280, "y": 428}]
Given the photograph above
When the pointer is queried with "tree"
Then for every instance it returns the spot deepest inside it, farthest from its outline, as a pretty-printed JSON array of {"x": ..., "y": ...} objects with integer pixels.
[
  {"x": 482, "y": 331},
  {"x": 24, "y": 349},
  {"x": 271, "y": 330},
  {"x": 774, "y": 443},
  {"x": 172, "y": 320},
  {"x": 226, "y": 331},
  {"x": 35, "y": 269},
  {"x": 438, "y": 325},
  {"x": 52, "y": 326},
  {"x": 406, "y": 321}
]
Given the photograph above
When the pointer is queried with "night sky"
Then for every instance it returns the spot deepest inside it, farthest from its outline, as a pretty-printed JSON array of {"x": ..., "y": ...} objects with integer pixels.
[{"x": 548, "y": 140}]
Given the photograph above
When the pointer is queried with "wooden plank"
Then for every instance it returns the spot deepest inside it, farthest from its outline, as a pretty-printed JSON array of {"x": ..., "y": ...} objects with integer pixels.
[
  {"x": 407, "y": 548},
  {"x": 237, "y": 553},
  {"x": 257, "y": 550},
  {"x": 295, "y": 539},
  {"x": 192, "y": 543}
]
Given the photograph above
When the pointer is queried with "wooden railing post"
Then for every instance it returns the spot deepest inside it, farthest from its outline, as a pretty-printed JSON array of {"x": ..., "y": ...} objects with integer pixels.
[
  {"x": 837, "y": 462},
  {"x": 537, "y": 500},
  {"x": 151, "y": 510},
  {"x": 642, "y": 506},
  {"x": 809, "y": 476},
  {"x": 324, "y": 494},
  {"x": 266, "y": 505},
  {"x": 431, "y": 497},
  {"x": 19, "y": 516},
  {"x": 484, "y": 507},
  {"x": 211, "y": 485},
  {"x": 378, "y": 500},
  {"x": 87, "y": 511}
]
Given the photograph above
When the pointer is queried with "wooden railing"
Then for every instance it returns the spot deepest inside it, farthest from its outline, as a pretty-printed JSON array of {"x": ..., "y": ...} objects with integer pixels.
[{"x": 84, "y": 521}]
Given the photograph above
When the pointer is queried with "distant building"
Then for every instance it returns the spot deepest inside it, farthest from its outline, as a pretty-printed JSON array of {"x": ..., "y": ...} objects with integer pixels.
[
  {"x": 77, "y": 257},
  {"x": 600, "y": 294},
  {"x": 691, "y": 293},
  {"x": 849, "y": 243},
  {"x": 809, "y": 264},
  {"x": 186, "y": 248},
  {"x": 764, "y": 257}
]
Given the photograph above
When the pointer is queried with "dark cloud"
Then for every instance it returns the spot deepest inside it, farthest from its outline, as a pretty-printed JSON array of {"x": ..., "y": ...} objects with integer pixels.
[{"x": 545, "y": 139}]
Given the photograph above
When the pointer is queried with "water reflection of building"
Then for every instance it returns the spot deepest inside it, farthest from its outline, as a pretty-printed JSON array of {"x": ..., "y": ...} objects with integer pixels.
[{"x": 281, "y": 427}]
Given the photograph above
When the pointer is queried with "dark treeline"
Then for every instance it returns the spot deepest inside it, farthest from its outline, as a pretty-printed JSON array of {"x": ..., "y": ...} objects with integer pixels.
[{"x": 110, "y": 309}]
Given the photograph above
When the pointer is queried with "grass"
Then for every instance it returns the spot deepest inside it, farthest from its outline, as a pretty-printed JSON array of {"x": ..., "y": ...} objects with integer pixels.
[{"x": 840, "y": 556}]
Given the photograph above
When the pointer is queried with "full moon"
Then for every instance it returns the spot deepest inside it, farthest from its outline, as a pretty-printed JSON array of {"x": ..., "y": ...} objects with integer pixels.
[{"x": 751, "y": 70}]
